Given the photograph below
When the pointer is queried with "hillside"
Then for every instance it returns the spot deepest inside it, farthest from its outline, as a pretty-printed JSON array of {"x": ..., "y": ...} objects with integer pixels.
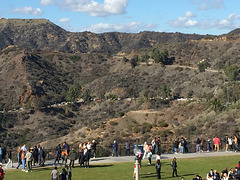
[{"x": 43, "y": 66}]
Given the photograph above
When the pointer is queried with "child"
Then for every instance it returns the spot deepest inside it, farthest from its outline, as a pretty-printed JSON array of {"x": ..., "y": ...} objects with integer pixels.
[
  {"x": 174, "y": 167},
  {"x": 158, "y": 156},
  {"x": 149, "y": 155},
  {"x": 158, "y": 169}
]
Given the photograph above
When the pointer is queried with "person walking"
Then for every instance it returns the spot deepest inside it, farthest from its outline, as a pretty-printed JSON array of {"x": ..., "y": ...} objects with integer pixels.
[
  {"x": 115, "y": 148},
  {"x": 158, "y": 169},
  {"x": 174, "y": 167},
  {"x": 19, "y": 153},
  {"x": 9, "y": 153}
]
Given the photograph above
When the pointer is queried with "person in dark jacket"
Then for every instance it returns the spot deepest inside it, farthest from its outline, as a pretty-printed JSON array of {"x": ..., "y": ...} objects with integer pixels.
[
  {"x": 115, "y": 148},
  {"x": 174, "y": 167},
  {"x": 216, "y": 175},
  {"x": 158, "y": 169},
  {"x": 9, "y": 153},
  {"x": 63, "y": 174},
  {"x": 81, "y": 158},
  {"x": 35, "y": 155},
  {"x": 86, "y": 157},
  {"x": 175, "y": 145},
  {"x": 94, "y": 148},
  {"x": 72, "y": 157}
]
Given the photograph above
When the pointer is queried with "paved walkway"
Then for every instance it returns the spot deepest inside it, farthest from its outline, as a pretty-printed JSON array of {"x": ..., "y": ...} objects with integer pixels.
[{"x": 110, "y": 160}]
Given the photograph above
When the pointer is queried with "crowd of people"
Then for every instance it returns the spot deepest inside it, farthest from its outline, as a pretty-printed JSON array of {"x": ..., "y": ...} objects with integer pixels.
[{"x": 233, "y": 173}]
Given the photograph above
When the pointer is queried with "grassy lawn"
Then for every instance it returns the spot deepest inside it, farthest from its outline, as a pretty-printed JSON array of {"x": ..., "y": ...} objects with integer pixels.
[{"x": 187, "y": 168}]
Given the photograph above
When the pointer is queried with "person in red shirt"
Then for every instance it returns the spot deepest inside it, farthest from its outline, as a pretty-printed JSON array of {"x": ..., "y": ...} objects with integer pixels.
[
  {"x": 216, "y": 141},
  {"x": 1, "y": 173}
]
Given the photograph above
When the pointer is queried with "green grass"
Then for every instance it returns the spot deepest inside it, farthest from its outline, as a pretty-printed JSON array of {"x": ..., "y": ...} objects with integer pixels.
[{"x": 187, "y": 168}]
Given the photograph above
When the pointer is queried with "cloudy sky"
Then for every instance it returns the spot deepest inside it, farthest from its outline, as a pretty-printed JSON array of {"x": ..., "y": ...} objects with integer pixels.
[{"x": 186, "y": 16}]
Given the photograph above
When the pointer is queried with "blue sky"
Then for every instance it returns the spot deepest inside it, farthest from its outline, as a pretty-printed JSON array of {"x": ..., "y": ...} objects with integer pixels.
[{"x": 186, "y": 16}]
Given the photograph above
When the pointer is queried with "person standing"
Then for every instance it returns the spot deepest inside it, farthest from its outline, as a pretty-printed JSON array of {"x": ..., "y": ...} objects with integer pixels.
[
  {"x": 115, "y": 148},
  {"x": 209, "y": 148},
  {"x": 174, "y": 167},
  {"x": 158, "y": 169},
  {"x": 145, "y": 148},
  {"x": 66, "y": 147},
  {"x": 86, "y": 157},
  {"x": 29, "y": 158},
  {"x": 175, "y": 146},
  {"x": 153, "y": 145},
  {"x": 181, "y": 146},
  {"x": 94, "y": 148},
  {"x": 41, "y": 156},
  {"x": 69, "y": 172},
  {"x": 55, "y": 174},
  {"x": 198, "y": 142},
  {"x": 149, "y": 156},
  {"x": 23, "y": 160},
  {"x": 35, "y": 155},
  {"x": 158, "y": 145},
  {"x": 1, "y": 151},
  {"x": 216, "y": 141},
  {"x": 202, "y": 144},
  {"x": 72, "y": 157},
  {"x": 127, "y": 149},
  {"x": 9, "y": 158},
  {"x": 1, "y": 173},
  {"x": 226, "y": 142}
]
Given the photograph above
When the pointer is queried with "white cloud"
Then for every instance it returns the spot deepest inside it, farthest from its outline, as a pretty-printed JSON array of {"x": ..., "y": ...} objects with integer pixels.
[
  {"x": 47, "y": 2},
  {"x": 131, "y": 27},
  {"x": 208, "y": 4},
  {"x": 184, "y": 21},
  {"x": 93, "y": 8},
  {"x": 189, "y": 14},
  {"x": 28, "y": 11},
  {"x": 64, "y": 20},
  {"x": 232, "y": 21}
]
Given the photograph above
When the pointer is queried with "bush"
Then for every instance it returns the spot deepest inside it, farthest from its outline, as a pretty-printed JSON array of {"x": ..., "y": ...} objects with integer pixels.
[
  {"x": 162, "y": 124},
  {"x": 113, "y": 123}
]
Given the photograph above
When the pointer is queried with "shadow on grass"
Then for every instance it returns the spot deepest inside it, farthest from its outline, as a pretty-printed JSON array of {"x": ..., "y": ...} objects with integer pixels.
[{"x": 76, "y": 167}]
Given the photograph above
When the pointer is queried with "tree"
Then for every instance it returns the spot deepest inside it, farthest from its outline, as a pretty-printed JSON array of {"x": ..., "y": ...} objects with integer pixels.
[
  {"x": 73, "y": 92},
  {"x": 202, "y": 65},
  {"x": 161, "y": 57},
  {"x": 232, "y": 72},
  {"x": 86, "y": 95},
  {"x": 145, "y": 57},
  {"x": 134, "y": 61},
  {"x": 216, "y": 104}
]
